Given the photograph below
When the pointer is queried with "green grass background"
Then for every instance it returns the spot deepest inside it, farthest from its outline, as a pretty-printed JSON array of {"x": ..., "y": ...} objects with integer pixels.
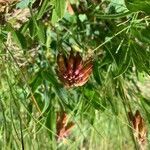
[{"x": 115, "y": 32}]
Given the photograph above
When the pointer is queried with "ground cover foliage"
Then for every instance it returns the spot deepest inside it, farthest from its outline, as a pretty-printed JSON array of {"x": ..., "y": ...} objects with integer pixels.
[{"x": 114, "y": 33}]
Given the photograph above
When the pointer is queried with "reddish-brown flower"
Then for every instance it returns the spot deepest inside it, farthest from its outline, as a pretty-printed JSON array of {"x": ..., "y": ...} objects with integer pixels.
[
  {"x": 63, "y": 128},
  {"x": 73, "y": 71},
  {"x": 140, "y": 131}
]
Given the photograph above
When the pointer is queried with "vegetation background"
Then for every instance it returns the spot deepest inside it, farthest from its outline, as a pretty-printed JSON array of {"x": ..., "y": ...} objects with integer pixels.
[{"x": 116, "y": 33}]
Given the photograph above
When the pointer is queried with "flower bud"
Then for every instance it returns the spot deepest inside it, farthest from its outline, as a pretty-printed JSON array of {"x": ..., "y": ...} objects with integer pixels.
[
  {"x": 140, "y": 131},
  {"x": 63, "y": 128},
  {"x": 73, "y": 71}
]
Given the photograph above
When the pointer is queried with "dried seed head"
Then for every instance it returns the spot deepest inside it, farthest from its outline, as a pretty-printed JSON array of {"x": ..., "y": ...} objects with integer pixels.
[
  {"x": 140, "y": 131},
  {"x": 73, "y": 71},
  {"x": 63, "y": 128}
]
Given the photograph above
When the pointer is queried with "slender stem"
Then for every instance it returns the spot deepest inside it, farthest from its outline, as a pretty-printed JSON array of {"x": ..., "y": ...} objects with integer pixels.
[
  {"x": 124, "y": 102},
  {"x": 108, "y": 40},
  {"x": 114, "y": 16}
]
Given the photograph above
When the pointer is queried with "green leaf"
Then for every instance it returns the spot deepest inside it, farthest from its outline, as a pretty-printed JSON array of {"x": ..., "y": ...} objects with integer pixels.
[
  {"x": 140, "y": 54},
  {"x": 55, "y": 18},
  {"x": 99, "y": 103},
  {"x": 58, "y": 11},
  {"x": 37, "y": 29},
  {"x": 24, "y": 28},
  {"x": 48, "y": 97},
  {"x": 41, "y": 33},
  {"x": 146, "y": 101},
  {"x": 23, "y": 4},
  {"x": 59, "y": 90},
  {"x": 32, "y": 28},
  {"x": 124, "y": 63},
  {"x": 96, "y": 72},
  {"x": 146, "y": 105},
  {"x": 143, "y": 35},
  {"x": 39, "y": 99},
  {"x": 138, "y": 5},
  {"x": 18, "y": 37},
  {"x": 51, "y": 125},
  {"x": 114, "y": 105},
  {"x": 60, "y": 7},
  {"x": 36, "y": 82},
  {"x": 43, "y": 9},
  {"x": 30, "y": 108}
]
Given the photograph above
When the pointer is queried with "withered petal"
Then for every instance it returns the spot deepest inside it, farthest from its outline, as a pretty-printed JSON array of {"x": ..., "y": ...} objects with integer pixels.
[
  {"x": 137, "y": 113},
  {"x": 70, "y": 64},
  {"x": 140, "y": 130},
  {"x": 81, "y": 82},
  {"x": 78, "y": 64},
  {"x": 61, "y": 62},
  {"x": 62, "y": 79},
  {"x": 69, "y": 126},
  {"x": 86, "y": 70},
  {"x": 63, "y": 128}
]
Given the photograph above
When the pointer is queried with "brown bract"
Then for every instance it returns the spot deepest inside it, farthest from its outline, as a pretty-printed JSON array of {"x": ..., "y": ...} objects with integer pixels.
[
  {"x": 73, "y": 71},
  {"x": 140, "y": 131},
  {"x": 63, "y": 128}
]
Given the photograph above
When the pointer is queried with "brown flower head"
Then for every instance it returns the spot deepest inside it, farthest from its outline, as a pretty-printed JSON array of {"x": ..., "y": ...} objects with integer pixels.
[
  {"x": 140, "y": 131},
  {"x": 63, "y": 128},
  {"x": 73, "y": 71}
]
